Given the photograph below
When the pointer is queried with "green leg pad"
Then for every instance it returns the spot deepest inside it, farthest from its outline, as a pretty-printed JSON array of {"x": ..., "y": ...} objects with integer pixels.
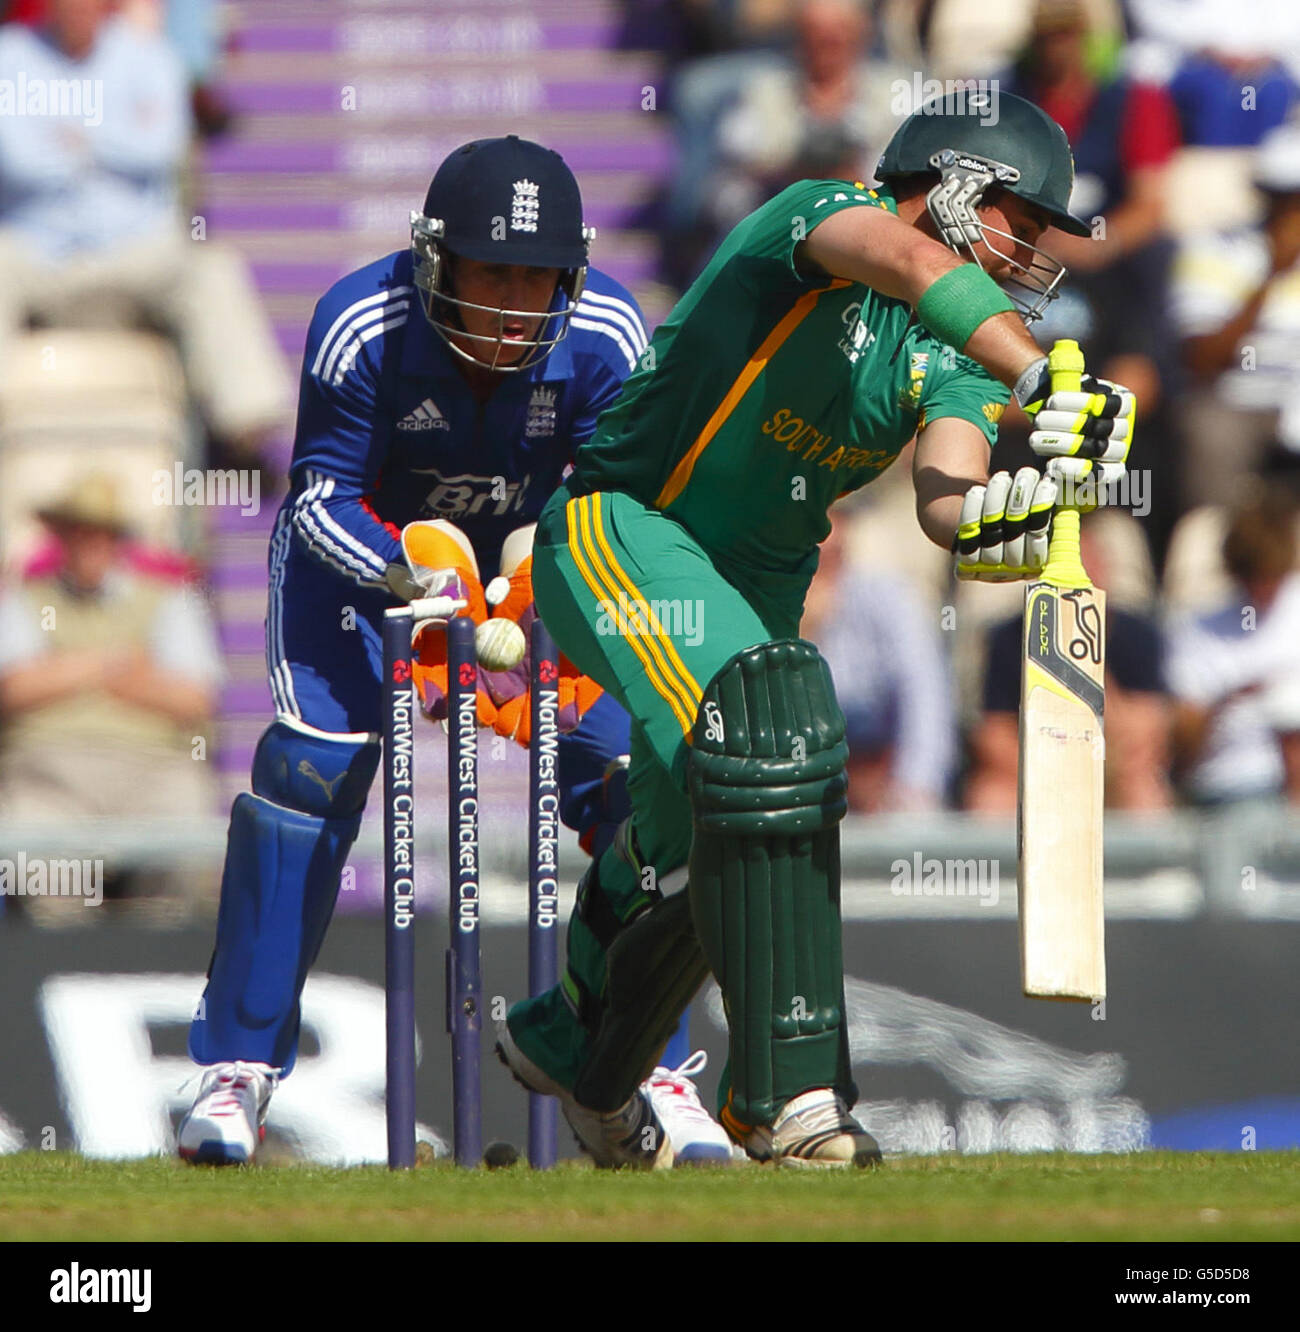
[
  {"x": 634, "y": 964},
  {"x": 768, "y": 790},
  {"x": 653, "y": 969},
  {"x": 555, "y": 1029}
]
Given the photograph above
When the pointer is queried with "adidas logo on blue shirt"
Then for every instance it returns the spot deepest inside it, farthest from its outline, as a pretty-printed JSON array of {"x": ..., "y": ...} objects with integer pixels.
[{"x": 425, "y": 417}]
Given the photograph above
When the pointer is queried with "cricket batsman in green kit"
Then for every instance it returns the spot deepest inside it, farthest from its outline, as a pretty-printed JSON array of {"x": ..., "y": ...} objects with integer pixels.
[{"x": 831, "y": 326}]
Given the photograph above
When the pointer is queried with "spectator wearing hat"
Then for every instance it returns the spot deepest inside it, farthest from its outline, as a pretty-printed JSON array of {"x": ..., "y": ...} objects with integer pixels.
[
  {"x": 108, "y": 675},
  {"x": 1236, "y": 302}
]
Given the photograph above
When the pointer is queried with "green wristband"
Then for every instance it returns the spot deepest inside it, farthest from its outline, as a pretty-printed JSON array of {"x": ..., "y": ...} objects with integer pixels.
[{"x": 959, "y": 302}]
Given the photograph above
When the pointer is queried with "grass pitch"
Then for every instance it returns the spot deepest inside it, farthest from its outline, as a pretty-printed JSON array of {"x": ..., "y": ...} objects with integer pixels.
[{"x": 1152, "y": 1196}]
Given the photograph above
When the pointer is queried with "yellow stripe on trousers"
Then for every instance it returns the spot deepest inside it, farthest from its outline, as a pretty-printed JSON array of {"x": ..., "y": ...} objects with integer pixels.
[
  {"x": 573, "y": 511},
  {"x": 645, "y": 624},
  {"x": 678, "y": 675}
]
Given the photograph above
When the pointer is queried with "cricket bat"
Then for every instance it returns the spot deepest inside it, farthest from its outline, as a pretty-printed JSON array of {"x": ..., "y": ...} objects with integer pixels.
[{"x": 1062, "y": 760}]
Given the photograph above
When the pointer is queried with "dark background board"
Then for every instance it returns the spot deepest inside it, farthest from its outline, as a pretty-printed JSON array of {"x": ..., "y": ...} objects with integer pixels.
[{"x": 1195, "y": 1046}]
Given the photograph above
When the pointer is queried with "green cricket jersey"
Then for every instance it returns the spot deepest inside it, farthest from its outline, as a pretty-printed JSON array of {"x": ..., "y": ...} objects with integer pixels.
[{"x": 765, "y": 395}]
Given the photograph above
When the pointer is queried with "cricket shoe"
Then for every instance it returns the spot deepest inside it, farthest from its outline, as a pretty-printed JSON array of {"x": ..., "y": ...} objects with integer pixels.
[
  {"x": 225, "y": 1124},
  {"x": 814, "y": 1130},
  {"x": 697, "y": 1138},
  {"x": 629, "y": 1136}
]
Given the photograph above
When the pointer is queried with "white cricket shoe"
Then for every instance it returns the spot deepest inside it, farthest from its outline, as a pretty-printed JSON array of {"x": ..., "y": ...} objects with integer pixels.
[
  {"x": 697, "y": 1138},
  {"x": 224, "y": 1125},
  {"x": 814, "y": 1129},
  {"x": 629, "y": 1136}
]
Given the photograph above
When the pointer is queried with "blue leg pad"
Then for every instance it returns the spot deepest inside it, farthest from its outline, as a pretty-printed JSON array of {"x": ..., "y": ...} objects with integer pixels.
[{"x": 277, "y": 895}]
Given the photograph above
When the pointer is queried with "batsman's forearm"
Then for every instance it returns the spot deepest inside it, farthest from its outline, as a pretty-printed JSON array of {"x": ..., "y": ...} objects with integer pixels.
[
  {"x": 872, "y": 246},
  {"x": 940, "y": 517},
  {"x": 1004, "y": 347}
]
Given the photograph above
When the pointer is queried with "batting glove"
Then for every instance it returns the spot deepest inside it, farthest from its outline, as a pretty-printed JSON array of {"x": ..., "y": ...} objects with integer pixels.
[
  {"x": 1086, "y": 436},
  {"x": 1005, "y": 524}
]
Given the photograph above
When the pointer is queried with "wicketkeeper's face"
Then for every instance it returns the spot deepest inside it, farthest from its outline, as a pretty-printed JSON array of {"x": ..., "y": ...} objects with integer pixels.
[{"x": 506, "y": 305}]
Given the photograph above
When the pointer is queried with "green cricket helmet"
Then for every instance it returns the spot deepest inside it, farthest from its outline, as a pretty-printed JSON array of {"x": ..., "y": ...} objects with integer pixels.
[{"x": 980, "y": 139}]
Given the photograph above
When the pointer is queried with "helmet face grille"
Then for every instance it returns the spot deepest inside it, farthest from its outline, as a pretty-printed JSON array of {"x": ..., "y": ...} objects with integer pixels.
[
  {"x": 953, "y": 203},
  {"x": 444, "y": 310}
]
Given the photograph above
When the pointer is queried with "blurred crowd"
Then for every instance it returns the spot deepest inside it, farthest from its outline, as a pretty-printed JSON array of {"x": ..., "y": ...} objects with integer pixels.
[
  {"x": 1184, "y": 120},
  {"x": 130, "y": 343},
  {"x": 128, "y": 339}
]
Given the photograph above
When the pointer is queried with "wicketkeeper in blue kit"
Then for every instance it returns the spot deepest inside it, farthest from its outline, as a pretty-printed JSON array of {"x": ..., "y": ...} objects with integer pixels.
[{"x": 444, "y": 391}]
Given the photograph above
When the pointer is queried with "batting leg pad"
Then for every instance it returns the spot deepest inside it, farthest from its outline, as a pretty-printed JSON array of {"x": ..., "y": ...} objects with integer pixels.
[
  {"x": 633, "y": 966},
  {"x": 768, "y": 789},
  {"x": 653, "y": 969}
]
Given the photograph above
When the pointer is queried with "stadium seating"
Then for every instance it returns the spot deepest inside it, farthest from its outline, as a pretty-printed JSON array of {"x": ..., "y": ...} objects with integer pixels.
[{"x": 73, "y": 400}]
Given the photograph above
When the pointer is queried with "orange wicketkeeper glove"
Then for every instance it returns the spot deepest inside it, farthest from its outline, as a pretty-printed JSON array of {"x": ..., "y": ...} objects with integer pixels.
[
  {"x": 509, "y": 691},
  {"x": 439, "y": 561}
]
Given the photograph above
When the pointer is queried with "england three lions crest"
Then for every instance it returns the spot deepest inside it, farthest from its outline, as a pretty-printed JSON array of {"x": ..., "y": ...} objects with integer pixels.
[
  {"x": 541, "y": 414},
  {"x": 525, "y": 206}
]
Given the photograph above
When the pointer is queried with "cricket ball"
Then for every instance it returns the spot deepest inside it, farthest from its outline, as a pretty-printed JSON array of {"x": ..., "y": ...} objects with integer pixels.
[
  {"x": 499, "y": 1155},
  {"x": 499, "y": 644}
]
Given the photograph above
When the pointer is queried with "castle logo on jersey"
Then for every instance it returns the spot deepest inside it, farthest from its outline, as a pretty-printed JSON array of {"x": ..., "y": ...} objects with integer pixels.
[
  {"x": 540, "y": 423},
  {"x": 523, "y": 211},
  {"x": 858, "y": 336},
  {"x": 425, "y": 417}
]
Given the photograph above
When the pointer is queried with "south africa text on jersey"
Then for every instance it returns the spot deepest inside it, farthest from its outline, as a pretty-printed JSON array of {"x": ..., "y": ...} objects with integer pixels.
[{"x": 802, "y": 437}]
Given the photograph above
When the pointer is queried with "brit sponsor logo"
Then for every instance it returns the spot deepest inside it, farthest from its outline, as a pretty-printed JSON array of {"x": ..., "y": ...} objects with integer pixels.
[
  {"x": 467, "y": 495},
  {"x": 425, "y": 417}
]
